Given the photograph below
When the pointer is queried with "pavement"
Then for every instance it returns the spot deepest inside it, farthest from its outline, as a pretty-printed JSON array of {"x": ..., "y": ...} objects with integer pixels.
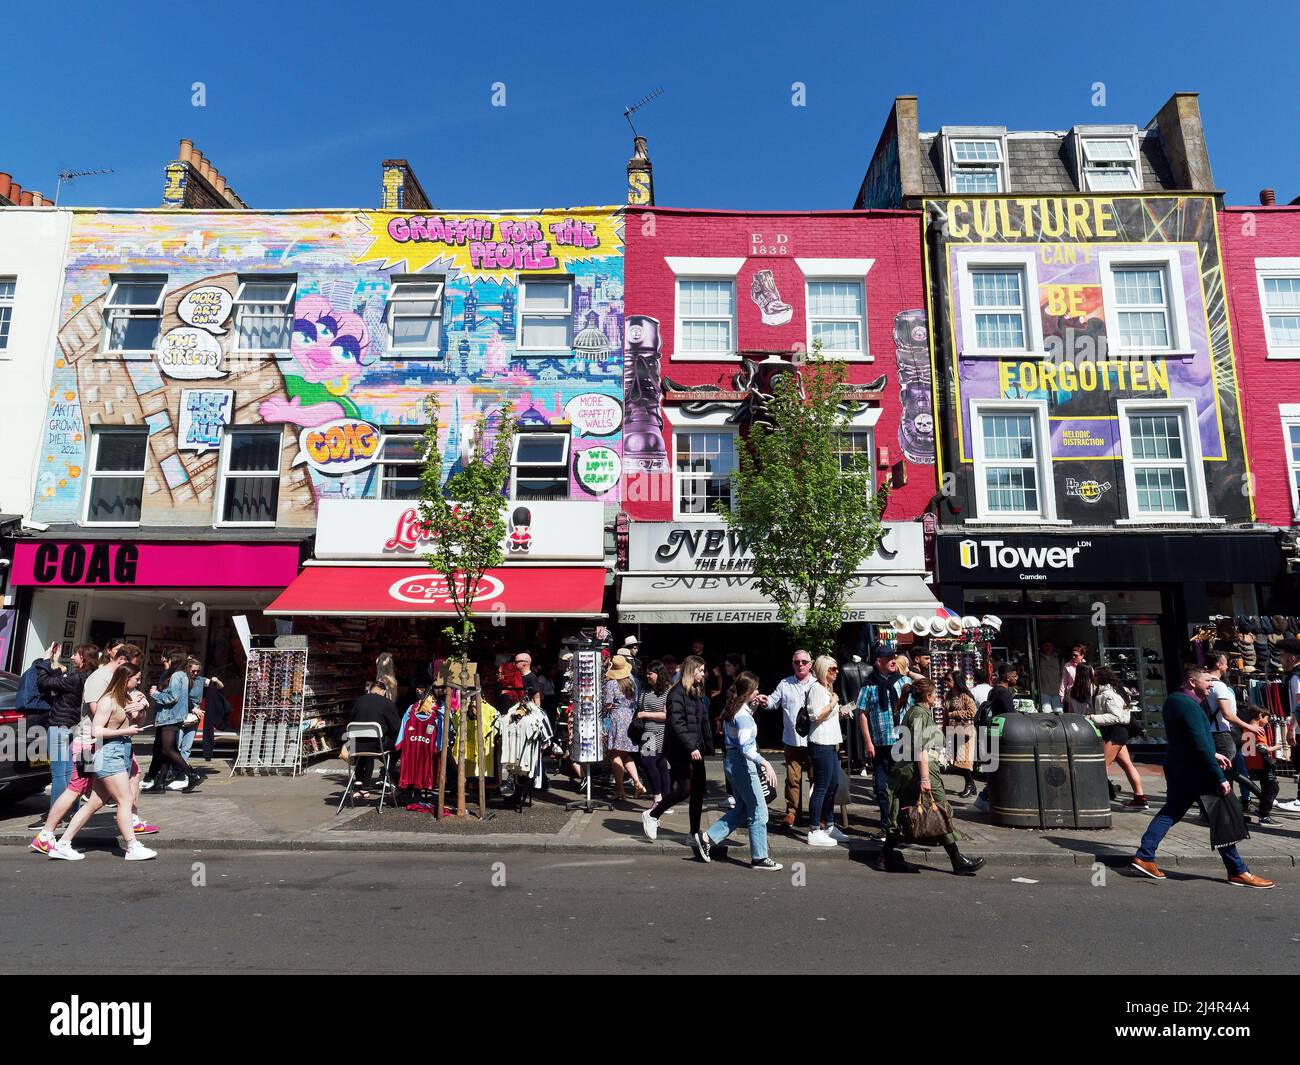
[
  {"x": 237, "y": 912},
  {"x": 273, "y": 812}
]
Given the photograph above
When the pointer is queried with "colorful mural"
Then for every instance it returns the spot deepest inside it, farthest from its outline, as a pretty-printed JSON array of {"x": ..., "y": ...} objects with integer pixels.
[{"x": 336, "y": 385}]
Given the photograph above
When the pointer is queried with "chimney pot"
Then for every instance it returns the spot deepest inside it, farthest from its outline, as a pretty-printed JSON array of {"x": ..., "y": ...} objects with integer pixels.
[
  {"x": 27, "y": 199},
  {"x": 15, "y": 192},
  {"x": 218, "y": 182},
  {"x": 1267, "y": 198},
  {"x": 5, "y": 181},
  {"x": 38, "y": 200},
  {"x": 187, "y": 151},
  {"x": 196, "y": 160}
]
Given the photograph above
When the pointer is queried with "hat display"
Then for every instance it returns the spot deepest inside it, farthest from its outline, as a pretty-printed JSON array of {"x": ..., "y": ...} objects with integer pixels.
[
  {"x": 900, "y": 624},
  {"x": 919, "y": 626},
  {"x": 953, "y": 625},
  {"x": 938, "y": 626},
  {"x": 619, "y": 668},
  {"x": 991, "y": 621},
  {"x": 970, "y": 621}
]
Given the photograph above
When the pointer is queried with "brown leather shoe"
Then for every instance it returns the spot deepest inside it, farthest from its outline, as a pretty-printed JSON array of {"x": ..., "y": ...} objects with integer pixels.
[
  {"x": 1147, "y": 869},
  {"x": 788, "y": 821},
  {"x": 1250, "y": 880}
]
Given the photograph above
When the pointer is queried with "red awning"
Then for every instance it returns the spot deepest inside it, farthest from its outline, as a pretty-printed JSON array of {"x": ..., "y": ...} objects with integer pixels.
[{"x": 369, "y": 591}]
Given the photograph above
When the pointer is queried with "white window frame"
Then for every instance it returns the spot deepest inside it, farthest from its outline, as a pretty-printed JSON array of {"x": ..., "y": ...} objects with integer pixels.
[
  {"x": 287, "y": 304},
  {"x": 1265, "y": 268},
  {"x": 1290, "y": 416},
  {"x": 561, "y": 465},
  {"x": 155, "y": 309},
  {"x": 399, "y": 433},
  {"x": 952, "y": 136},
  {"x": 1196, "y": 493},
  {"x": 8, "y": 303},
  {"x": 396, "y": 297},
  {"x": 853, "y": 271},
  {"x": 705, "y": 268},
  {"x": 1171, "y": 262},
  {"x": 1087, "y": 168},
  {"x": 522, "y": 310},
  {"x": 866, "y": 423},
  {"x": 225, "y": 472},
  {"x": 1037, "y": 411},
  {"x": 715, "y": 422},
  {"x": 97, "y": 434},
  {"x": 1026, "y": 262}
]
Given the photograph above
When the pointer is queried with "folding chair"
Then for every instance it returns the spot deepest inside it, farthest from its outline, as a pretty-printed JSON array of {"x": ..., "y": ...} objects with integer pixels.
[{"x": 366, "y": 730}]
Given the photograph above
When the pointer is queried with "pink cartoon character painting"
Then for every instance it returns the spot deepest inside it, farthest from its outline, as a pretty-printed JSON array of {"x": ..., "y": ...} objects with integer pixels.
[
  {"x": 520, "y": 537},
  {"x": 328, "y": 350}
]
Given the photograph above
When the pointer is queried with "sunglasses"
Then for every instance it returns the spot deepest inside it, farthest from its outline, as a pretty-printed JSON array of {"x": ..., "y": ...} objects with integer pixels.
[{"x": 803, "y": 661}]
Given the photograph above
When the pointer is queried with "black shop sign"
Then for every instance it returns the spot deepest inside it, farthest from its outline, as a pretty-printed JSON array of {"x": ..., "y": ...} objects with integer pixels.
[{"x": 88, "y": 564}]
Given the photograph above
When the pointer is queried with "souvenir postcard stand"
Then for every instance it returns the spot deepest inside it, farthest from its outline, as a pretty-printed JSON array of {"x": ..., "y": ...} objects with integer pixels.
[
  {"x": 270, "y": 730},
  {"x": 459, "y": 689},
  {"x": 585, "y": 707}
]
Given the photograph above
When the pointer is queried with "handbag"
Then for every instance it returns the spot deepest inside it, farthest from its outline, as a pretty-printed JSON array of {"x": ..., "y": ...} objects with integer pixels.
[
  {"x": 803, "y": 719},
  {"x": 1227, "y": 823},
  {"x": 926, "y": 819},
  {"x": 636, "y": 727}
]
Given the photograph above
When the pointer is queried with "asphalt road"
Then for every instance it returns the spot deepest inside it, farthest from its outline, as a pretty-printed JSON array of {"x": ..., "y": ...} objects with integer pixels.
[{"x": 251, "y": 912}]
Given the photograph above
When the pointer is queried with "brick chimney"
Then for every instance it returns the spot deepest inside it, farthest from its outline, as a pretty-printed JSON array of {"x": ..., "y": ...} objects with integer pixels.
[
  {"x": 192, "y": 181},
  {"x": 402, "y": 190},
  {"x": 1183, "y": 140},
  {"x": 640, "y": 176}
]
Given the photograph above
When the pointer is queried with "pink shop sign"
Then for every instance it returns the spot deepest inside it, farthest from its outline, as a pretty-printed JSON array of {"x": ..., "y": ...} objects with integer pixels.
[{"x": 118, "y": 564}]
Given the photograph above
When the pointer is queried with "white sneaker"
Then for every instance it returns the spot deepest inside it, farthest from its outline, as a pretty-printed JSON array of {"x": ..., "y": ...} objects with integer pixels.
[
  {"x": 1292, "y": 807},
  {"x": 137, "y": 852},
  {"x": 818, "y": 838},
  {"x": 731, "y": 801},
  {"x": 65, "y": 852},
  {"x": 649, "y": 825},
  {"x": 178, "y": 785},
  {"x": 836, "y": 834}
]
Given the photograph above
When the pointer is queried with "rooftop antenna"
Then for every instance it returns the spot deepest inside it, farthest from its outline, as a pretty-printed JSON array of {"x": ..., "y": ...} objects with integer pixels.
[
  {"x": 627, "y": 113},
  {"x": 72, "y": 175}
]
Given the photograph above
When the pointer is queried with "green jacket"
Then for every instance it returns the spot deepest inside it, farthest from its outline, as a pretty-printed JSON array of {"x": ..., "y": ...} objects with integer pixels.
[{"x": 1190, "y": 763}]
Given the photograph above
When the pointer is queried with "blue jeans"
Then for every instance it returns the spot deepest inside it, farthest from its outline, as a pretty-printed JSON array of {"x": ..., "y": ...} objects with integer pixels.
[
  {"x": 60, "y": 750},
  {"x": 880, "y": 768},
  {"x": 1177, "y": 803},
  {"x": 186, "y": 741},
  {"x": 826, "y": 779},
  {"x": 750, "y": 808}
]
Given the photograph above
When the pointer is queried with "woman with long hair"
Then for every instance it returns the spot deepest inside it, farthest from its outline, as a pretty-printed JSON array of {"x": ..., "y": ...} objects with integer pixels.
[
  {"x": 687, "y": 739},
  {"x": 620, "y": 693},
  {"x": 1078, "y": 700},
  {"x": 116, "y": 712},
  {"x": 824, "y": 737},
  {"x": 749, "y": 772},
  {"x": 1111, "y": 713},
  {"x": 386, "y": 674},
  {"x": 652, "y": 712},
  {"x": 959, "y": 710},
  {"x": 173, "y": 703}
]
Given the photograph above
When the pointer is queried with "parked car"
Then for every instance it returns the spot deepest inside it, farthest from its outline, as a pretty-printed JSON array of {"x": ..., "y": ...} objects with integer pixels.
[{"x": 19, "y": 775}]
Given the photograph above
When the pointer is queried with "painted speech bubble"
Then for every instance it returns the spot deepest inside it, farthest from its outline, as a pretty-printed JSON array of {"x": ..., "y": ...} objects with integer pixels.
[
  {"x": 597, "y": 469},
  {"x": 594, "y": 414},
  {"x": 204, "y": 415},
  {"x": 206, "y": 308},
  {"x": 345, "y": 445},
  {"x": 190, "y": 354}
]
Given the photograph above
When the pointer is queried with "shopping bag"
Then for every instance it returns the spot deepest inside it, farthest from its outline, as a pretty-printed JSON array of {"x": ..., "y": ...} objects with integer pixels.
[{"x": 926, "y": 819}]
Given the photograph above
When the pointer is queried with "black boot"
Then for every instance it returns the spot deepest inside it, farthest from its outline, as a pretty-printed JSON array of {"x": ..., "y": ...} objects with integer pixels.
[
  {"x": 193, "y": 781},
  {"x": 969, "y": 790},
  {"x": 961, "y": 865},
  {"x": 1114, "y": 790},
  {"x": 891, "y": 860}
]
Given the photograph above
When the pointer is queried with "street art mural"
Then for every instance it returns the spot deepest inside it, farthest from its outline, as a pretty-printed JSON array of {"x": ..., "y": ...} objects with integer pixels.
[
  {"x": 1086, "y": 262},
  {"x": 317, "y": 355}
]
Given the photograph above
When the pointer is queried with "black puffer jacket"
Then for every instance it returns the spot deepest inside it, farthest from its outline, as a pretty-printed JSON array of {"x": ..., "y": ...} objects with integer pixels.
[
  {"x": 64, "y": 692},
  {"x": 688, "y": 726}
]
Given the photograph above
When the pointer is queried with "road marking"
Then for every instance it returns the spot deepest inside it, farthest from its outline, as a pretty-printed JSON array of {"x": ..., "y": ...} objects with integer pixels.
[{"x": 584, "y": 865}]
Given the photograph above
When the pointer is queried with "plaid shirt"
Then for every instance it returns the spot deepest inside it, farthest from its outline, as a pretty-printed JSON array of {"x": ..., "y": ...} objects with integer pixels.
[{"x": 880, "y": 719}]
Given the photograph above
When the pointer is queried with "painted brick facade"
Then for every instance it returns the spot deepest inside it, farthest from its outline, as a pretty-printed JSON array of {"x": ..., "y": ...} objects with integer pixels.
[
  {"x": 1268, "y": 239},
  {"x": 880, "y": 248}
]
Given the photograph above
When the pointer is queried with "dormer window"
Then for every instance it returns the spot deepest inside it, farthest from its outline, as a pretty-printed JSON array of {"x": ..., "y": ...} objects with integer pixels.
[
  {"x": 976, "y": 160},
  {"x": 1108, "y": 160}
]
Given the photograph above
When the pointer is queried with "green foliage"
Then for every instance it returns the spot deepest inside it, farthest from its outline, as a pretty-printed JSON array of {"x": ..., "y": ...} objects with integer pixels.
[
  {"x": 807, "y": 519},
  {"x": 466, "y": 517}
]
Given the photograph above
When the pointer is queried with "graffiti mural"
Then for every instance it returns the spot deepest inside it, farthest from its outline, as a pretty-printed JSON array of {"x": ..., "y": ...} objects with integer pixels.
[
  {"x": 290, "y": 318},
  {"x": 916, "y": 387}
]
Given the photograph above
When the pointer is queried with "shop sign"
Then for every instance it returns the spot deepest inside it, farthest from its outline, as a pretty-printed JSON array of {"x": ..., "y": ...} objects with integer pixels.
[
  {"x": 113, "y": 564},
  {"x": 711, "y": 547},
  {"x": 569, "y": 530}
]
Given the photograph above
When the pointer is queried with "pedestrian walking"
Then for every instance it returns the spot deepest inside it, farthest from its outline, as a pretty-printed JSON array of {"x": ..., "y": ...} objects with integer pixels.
[
  {"x": 173, "y": 703},
  {"x": 1069, "y": 671},
  {"x": 620, "y": 705},
  {"x": 789, "y": 698},
  {"x": 959, "y": 711},
  {"x": 1111, "y": 713},
  {"x": 750, "y": 772},
  {"x": 687, "y": 740},
  {"x": 824, "y": 738},
  {"x": 63, "y": 688},
  {"x": 878, "y": 724},
  {"x": 1261, "y": 760},
  {"x": 1078, "y": 700},
  {"x": 652, "y": 712},
  {"x": 117, "y": 712},
  {"x": 199, "y": 685},
  {"x": 915, "y": 772},
  {"x": 1192, "y": 769}
]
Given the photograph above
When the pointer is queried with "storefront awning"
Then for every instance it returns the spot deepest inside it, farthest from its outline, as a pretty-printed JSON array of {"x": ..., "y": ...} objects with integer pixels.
[
  {"x": 699, "y": 599},
  {"x": 401, "y": 591}
]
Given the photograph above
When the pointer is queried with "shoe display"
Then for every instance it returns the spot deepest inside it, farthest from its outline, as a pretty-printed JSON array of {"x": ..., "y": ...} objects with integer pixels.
[{"x": 649, "y": 825}]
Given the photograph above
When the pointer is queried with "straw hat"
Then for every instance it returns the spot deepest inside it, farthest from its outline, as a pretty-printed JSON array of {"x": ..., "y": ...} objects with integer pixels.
[
  {"x": 619, "y": 668},
  {"x": 938, "y": 626},
  {"x": 920, "y": 626}
]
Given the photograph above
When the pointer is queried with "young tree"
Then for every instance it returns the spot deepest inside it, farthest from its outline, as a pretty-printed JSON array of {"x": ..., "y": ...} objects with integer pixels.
[{"x": 801, "y": 504}]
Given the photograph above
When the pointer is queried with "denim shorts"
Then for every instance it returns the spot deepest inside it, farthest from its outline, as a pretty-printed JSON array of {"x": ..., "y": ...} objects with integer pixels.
[{"x": 113, "y": 757}]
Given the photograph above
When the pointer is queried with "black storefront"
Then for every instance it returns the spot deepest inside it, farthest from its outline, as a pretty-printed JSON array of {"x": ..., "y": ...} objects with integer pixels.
[{"x": 1128, "y": 597}]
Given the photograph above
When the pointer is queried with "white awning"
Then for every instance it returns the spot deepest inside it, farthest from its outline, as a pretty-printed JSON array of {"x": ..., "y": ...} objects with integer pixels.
[{"x": 704, "y": 599}]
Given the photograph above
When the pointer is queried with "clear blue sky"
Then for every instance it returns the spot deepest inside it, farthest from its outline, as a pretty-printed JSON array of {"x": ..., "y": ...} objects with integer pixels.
[{"x": 305, "y": 100}]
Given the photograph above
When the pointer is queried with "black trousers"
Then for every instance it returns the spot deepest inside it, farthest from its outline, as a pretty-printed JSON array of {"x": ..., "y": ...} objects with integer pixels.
[
  {"x": 690, "y": 782},
  {"x": 166, "y": 754}
]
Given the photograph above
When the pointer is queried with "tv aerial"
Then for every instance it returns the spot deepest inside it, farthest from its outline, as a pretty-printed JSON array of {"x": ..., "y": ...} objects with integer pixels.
[
  {"x": 72, "y": 175},
  {"x": 631, "y": 108}
]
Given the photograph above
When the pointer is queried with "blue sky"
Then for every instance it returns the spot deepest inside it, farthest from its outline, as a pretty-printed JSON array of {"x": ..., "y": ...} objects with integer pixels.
[{"x": 303, "y": 101}]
